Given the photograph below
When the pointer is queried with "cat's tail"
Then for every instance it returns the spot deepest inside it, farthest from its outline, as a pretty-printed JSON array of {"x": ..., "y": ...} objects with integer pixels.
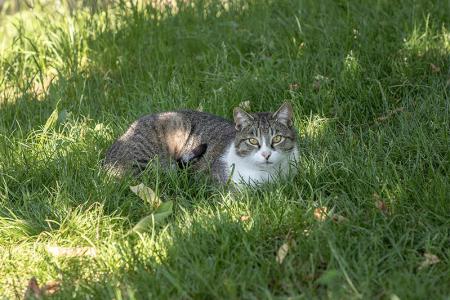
[{"x": 192, "y": 156}]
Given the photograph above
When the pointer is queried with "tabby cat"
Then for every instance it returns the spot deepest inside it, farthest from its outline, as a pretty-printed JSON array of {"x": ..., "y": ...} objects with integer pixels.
[{"x": 257, "y": 148}]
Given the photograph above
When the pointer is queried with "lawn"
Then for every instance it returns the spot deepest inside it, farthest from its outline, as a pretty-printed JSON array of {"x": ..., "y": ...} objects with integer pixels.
[{"x": 366, "y": 217}]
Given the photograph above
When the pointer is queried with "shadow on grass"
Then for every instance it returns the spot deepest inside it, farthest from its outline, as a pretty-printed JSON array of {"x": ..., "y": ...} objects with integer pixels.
[{"x": 217, "y": 247}]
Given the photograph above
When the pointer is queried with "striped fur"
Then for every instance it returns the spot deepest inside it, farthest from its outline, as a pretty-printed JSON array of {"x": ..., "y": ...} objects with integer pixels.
[
  {"x": 204, "y": 141},
  {"x": 175, "y": 138}
]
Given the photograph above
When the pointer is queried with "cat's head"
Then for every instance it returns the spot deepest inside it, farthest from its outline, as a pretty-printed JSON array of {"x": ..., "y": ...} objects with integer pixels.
[{"x": 265, "y": 138}]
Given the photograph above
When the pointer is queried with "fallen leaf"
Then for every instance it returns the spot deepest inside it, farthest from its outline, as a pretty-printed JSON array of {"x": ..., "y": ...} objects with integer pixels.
[
  {"x": 161, "y": 213},
  {"x": 339, "y": 219},
  {"x": 435, "y": 69},
  {"x": 380, "y": 204},
  {"x": 33, "y": 291},
  {"x": 321, "y": 213},
  {"x": 146, "y": 194},
  {"x": 294, "y": 86},
  {"x": 71, "y": 251},
  {"x": 51, "y": 287},
  {"x": 245, "y": 105},
  {"x": 389, "y": 114},
  {"x": 282, "y": 252},
  {"x": 429, "y": 259},
  {"x": 244, "y": 218}
]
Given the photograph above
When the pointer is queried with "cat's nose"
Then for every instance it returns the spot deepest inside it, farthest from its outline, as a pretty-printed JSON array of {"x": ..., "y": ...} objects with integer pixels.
[{"x": 266, "y": 154}]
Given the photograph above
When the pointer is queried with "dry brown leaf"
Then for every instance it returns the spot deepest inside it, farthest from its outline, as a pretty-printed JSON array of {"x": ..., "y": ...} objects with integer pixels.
[
  {"x": 429, "y": 259},
  {"x": 71, "y": 251},
  {"x": 33, "y": 290},
  {"x": 435, "y": 69},
  {"x": 282, "y": 252},
  {"x": 339, "y": 219},
  {"x": 321, "y": 213},
  {"x": 294, "y": 86},
  {"x": 389, "y": 114},
  {"x": 244, "y": 218},
  {"x": 51, "y": 287},
  {"x": 380, "y": 204}
]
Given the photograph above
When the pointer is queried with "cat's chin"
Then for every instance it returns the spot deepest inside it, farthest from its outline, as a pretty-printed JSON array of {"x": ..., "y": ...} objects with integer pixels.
[{"x": 266, "y": 164}]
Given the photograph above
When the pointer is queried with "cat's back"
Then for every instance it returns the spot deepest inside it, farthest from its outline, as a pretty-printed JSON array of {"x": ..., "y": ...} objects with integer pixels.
[
  {"x": 192, "y": 122},
  {"x": 170, "y": 135},
  {"x": 207, "y": 124},
  {"x": 205, "y": 128}
]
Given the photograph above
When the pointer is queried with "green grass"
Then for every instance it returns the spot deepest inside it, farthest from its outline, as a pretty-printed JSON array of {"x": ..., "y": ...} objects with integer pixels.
[{"x": 369, "y": 81}]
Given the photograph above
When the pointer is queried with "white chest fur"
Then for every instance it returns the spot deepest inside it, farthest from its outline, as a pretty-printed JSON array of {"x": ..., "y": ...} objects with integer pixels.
[{"x": 245, "y": 171}]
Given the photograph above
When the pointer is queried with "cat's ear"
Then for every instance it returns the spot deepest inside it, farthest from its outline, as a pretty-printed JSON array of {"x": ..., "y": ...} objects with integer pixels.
[
  {"x": 284, "y": 114},
  {"x": 241, "y": 118}
]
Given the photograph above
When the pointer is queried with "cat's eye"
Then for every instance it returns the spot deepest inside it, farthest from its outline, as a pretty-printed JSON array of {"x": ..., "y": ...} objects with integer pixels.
[
  {"x": 253, "y": 141},
  {"x": 276, "y": 139}
]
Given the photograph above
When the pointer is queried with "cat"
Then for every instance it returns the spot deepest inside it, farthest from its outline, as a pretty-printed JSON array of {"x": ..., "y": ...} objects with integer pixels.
[{"x": 256, "y": 148}]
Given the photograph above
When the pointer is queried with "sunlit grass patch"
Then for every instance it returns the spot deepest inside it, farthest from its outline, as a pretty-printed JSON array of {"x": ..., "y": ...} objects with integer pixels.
[{"x": 314, "y": 126}]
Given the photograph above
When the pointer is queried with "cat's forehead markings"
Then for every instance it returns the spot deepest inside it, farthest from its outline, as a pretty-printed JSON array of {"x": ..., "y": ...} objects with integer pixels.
[
  {"x": 266, "y": 141},
  {"x": 264, "y": 122}
]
